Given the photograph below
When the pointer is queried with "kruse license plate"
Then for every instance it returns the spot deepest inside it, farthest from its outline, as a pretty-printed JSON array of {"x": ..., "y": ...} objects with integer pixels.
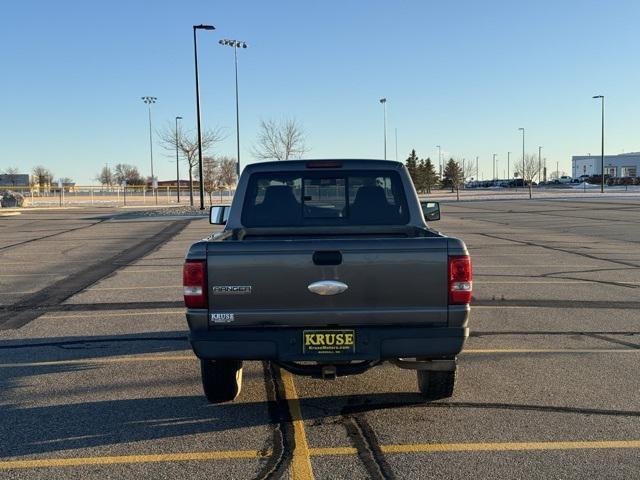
[{"x": 328, "y": 341}]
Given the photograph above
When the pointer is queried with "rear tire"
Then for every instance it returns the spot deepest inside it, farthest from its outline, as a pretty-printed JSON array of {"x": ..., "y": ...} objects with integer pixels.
[
  {"x": 436, "y": 385},
  {"x": 221, "y": 379}
]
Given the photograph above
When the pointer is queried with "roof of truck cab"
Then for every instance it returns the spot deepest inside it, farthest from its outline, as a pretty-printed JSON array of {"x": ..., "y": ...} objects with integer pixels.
[{"x": 316, "y": 165}]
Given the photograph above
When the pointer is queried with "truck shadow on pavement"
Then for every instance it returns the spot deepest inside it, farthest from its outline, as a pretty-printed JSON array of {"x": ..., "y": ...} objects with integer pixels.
[{"x": 73, "y": 426}]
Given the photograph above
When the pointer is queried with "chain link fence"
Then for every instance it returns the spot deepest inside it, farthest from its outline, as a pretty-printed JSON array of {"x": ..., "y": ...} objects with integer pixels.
[{"x": 116, "y": 196}]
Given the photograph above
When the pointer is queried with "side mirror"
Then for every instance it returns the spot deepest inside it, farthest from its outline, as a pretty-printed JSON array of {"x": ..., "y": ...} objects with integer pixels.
[
  {"x": 219, "y": 214},
  {"x": 431, "y": 211}
]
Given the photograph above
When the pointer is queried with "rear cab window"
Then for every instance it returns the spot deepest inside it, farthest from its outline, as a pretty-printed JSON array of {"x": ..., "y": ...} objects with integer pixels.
[{"x": 324, "y": 199}]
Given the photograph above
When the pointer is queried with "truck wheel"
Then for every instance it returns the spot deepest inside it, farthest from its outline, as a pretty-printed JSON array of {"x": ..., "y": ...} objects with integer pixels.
[
  {"x": 221, "y": 379},
  {"x": 436, "y": 385}
]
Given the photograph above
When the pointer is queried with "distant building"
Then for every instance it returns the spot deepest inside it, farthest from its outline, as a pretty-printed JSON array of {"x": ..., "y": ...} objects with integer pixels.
[
  {"x": 11, "y": 180},
  {"x": 623, "y": 165}
]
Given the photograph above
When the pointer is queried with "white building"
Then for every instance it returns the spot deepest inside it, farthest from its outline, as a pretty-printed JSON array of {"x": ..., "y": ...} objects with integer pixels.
[{"x": 623, "y": 165}]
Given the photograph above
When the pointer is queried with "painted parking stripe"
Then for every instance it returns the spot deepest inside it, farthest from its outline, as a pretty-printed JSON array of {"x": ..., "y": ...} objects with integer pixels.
[
  {"x": 318, "y": 452},
  {"x": 301, "y": 463},
  {"x": 551, "y": 350},
  {"x": 180, "y": 358},
  {"x": 137, "y": 287},
  {"x": 121, "y": 459},
  {"x": 99, "y": 313},
  {"x": 511, "y": 446},
  {"x": 104, "y": 361}
]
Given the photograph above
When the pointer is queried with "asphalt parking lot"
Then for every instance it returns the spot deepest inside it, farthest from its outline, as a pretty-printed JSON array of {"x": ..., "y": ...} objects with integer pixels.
[{"x": 97, "y": 379}]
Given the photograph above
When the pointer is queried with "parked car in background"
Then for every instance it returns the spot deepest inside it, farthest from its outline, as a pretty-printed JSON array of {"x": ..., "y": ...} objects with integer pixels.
[{"x": 565, "y": 179}]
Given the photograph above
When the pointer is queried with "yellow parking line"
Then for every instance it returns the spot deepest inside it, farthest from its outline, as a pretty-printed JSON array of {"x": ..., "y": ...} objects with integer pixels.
[
  {"x": 552, "y": 350},
  {"x": 510, "y": 446},
  {"x": 544, "y": 282},
  {"x": 174, "y": 270},
  {"x": 291, "y": 393},
  {"x": 120, "y": 459},
  {"x": 137, "y": 287},
  {"x": 318, "y": 452},
  {"x": 107, "y": 360},
  {"x": 119, "y": 314},
  {"x": 32, "y": 275},
  {"x": 301, "y": 463}
]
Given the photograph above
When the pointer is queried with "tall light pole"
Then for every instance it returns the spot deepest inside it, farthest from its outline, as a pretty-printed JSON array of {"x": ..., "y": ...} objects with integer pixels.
[
  {"x": 177, "y": 161},
  {"x": 383, "y": 101},
  {"x": 149, "y": 101},
  {"x": 523, "y": 180},
  {"x": 236, "y": 44},
  {"x": 602, "y": 150},
  {"x": 494, "y": 166},
  {"x": 508, "y": 160},
  {"x": 195, "y": 55},
  {"x": 539, "y": 163},
  {"x": 439, "y": 159}
]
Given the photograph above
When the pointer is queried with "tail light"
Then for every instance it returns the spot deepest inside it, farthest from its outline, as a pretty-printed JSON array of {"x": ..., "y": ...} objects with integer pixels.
[
  {"x": 194, "y": 281},
  {"x": 460, "y": 280}
]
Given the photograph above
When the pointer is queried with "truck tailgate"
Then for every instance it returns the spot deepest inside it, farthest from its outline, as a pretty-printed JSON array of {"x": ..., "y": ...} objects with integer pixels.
[{"x": 390, "y": 281}]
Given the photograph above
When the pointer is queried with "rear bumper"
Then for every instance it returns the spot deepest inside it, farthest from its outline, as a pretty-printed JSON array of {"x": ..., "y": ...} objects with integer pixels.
[{"x": 284, "y": 344}]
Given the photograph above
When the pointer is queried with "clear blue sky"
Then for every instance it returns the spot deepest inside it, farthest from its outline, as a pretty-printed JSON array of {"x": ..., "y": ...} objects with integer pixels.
[{"x": 464, "y": 75}]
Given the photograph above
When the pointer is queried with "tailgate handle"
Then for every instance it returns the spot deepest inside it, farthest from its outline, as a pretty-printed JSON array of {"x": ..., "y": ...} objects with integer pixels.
[{"x": 327, "y": 258}]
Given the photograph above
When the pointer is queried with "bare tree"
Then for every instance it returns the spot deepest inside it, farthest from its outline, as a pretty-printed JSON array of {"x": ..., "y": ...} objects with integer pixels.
[
  {"x": 105, "y": 177},
  {"x": 227, "y": 176},
  {"x": 12, "y": 175},
  {"x": 280, "y": 140},
  {"x": 531, "y": 170},
  {"x": 187, "y": 144},
  {"x": 127, "y": 173},
  {"x": 43, "y": 177},
  {"x": 210, "y": 175}
]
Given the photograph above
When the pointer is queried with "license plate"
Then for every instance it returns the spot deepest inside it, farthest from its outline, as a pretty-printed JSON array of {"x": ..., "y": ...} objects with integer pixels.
[{"x": 328, "y": 341}]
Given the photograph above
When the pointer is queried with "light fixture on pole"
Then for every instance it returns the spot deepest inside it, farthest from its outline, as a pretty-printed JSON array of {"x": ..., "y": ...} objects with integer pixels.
[
  {"x": 177, "y": 162},
  {"x": 195, "y": 54},
  {"x": 235, "y": 44},
  {"x": 149, "y": 101},
  {"x": 383, "y": 101},
  {"x": 523, "y": 179},
  {"x": 602, "y": 146}
]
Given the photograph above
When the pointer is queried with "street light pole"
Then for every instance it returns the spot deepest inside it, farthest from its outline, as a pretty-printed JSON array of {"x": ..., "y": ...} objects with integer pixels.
[
  {"x": 508, "y": 160},
  {"x": 539, "y": 163},
  {"x": 177, "y": 162},
  {"x": 494, "y": 166},
  {"x": 523, "y": 180},
  {"x": 602, "y": 150},
  {"x": 235, "y": 44},
  {"x": 149, "y": 101},
  {"x": 440, "y": 160},
  {"x": 383, "y": 101},
  {"x": 195, "y": 55}
]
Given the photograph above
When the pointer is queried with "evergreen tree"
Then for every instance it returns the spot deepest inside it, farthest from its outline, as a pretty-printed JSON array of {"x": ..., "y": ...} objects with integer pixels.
[
  {"x": 427, "y": 174},
  {"x": 419, "y": 182},
  {"x": 452, "y": 175},
  {"x": 412, "y": 167}
]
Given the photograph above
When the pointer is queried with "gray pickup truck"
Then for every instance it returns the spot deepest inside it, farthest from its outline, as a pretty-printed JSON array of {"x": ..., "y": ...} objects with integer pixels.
[{"x": 327, "y": 268}]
